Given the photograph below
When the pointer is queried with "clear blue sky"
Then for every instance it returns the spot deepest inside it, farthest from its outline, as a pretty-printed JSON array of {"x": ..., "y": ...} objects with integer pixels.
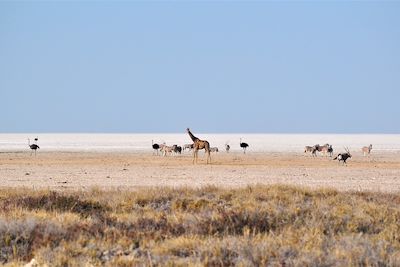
[{"x": 294, "y": 67}]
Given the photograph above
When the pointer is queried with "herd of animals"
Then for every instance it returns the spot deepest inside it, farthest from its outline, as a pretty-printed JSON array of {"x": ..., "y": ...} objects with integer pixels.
[
  {"x": 199, "y": 144},
  {"x": 327, "y": 149},
  {"x": 164, "y": 149}
]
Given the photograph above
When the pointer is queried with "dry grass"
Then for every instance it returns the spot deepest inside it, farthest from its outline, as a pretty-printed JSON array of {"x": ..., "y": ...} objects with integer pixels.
[{"x": 258, "y": 225}]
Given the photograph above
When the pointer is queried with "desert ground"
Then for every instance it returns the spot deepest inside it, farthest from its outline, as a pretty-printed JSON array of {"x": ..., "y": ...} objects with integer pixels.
[{"x": 379, "y": 172}]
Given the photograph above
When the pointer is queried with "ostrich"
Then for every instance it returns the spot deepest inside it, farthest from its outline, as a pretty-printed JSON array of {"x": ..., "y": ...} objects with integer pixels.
[
  {"x": 33, "y": 146},
  {"x": 156, "y": 147},
  {"x": 227, "y": 148},
  {"x": 244, "y": 146}
]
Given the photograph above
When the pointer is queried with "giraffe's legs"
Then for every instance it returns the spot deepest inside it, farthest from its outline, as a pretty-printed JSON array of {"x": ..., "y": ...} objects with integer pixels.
[{"x": 194, "y": 156}]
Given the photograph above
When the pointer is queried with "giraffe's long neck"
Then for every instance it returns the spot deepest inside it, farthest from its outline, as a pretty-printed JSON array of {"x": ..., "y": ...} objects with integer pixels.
[{"x": 194, "y": 138}]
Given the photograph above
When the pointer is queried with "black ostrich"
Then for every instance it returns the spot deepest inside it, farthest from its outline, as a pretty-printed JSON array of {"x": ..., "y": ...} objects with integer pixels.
[
  {"x": 33, "y": 146},
  {"x": 244, "y": 146},
  {"x": 156, "y": 147}
]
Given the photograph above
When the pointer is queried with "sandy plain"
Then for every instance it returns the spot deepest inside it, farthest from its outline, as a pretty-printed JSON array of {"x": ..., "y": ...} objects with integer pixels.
[{"x": 85, "y": 170}]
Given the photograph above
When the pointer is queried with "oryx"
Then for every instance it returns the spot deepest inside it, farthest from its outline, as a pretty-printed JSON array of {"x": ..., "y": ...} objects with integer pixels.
[{"x": 343, "y": 156}]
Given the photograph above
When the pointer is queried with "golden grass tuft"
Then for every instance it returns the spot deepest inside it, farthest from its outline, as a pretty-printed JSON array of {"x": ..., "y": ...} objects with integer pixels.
[{"x": 257, "y": 225}]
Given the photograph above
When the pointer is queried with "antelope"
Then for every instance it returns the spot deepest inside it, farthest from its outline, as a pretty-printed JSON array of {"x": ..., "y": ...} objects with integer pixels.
[
  {"x": 177, "y": 149},
  {"x": 166, "y": 149},
  {"x": 323, "y": 149},
  {"x": 310, "y": 149},
  {"x": 213, "y": 149},
  {"x": 330, "y": 151},
  {"x": 366, "y": 150},
  {"x": 188, "y": 146},
  {"x": 343, "y": 156}
]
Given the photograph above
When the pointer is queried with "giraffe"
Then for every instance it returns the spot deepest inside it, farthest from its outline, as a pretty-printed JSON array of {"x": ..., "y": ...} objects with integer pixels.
[{"x": 197, "y": 145}]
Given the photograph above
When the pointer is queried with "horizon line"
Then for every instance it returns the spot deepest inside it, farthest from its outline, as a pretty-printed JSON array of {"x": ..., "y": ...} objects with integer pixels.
[{"x": 283, "y": 133}]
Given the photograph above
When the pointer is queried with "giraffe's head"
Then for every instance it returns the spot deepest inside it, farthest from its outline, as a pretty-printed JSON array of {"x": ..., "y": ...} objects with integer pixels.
[{"x": 187, "y": 130}]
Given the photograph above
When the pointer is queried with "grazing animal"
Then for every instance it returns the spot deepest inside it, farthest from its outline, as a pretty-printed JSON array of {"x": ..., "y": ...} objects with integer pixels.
[
  {"x": 197, "y": 145},
  {"x": 323, "y": 149},
  {"x": 311, "y": 149},
  {"x": 34, "y": 147},
  {"x": 156, "y": 147},
  {"x": 227, "y": 148},
  {"x": 213, "y": 149},
  {"x": 166, "y": 149},
  {"x": 243, "y": 145},
  {"x": 188, "y": 146},
  {"x": 366, "y": 150},
  {"x": 177, "y": 149},
  {"x": 343, "y": 156},
  {"x": 330, "y": 151}
]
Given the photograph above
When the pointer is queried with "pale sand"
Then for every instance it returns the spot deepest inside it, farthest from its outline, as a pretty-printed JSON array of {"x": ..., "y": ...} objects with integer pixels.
[{"x": 84, "y": 170}]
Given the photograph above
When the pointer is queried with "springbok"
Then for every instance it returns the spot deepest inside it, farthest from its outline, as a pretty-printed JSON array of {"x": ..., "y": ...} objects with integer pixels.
[
  {"x": 166, "y": 149},
  {"x": 343, "y": 156},
  {"x": 366, "y": 150}
]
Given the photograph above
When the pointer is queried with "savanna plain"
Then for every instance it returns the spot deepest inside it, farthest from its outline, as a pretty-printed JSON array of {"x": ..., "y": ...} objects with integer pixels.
[{"x": 268, "y": 209}]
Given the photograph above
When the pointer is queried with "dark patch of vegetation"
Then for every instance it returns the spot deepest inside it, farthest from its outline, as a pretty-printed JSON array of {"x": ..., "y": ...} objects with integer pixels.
[{"x": 55, "y": 202}]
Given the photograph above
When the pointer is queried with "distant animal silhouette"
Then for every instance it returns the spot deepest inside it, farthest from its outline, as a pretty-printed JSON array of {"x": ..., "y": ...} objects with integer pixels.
[
  {"x": 366, "y": 150},
  {"x": 188, "y": 146},
  {"x": 197, "y": 145},
  {"x": 343, "y": 156},
  {"x": 227, "y": 148},
  {"x": 177, "y": 149},
  {"x": 323, "y": 149},
  {"x": 243, "y": 145},
  {"x": 34, "y": 147},
  {"x": 213, "y": 149},
  {"x": 311, "y": 149},
  {"x": 330, "y": 151},
  {"x": 166, "y": 149},
  {"x": 156, "y": 147}
]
